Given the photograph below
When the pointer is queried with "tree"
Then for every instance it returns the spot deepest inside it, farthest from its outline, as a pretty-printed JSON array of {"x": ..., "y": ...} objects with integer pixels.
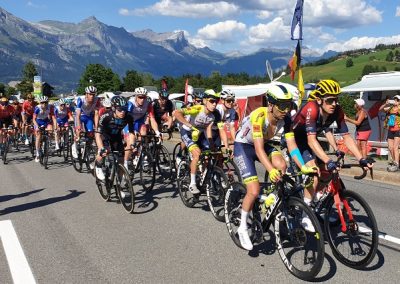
[
  {"x": 347, "y": 103},
  {"x": 102, "y": 78},
  {"x": 10, "y": 91},
  {"x": 25, "y": 87},
  {"x": 349, "y": 63},
  {"x": 390, "y": 56},
  {"x": 29, "y": 71},
  {"x": 132, "y": 80},
  {"x": 2, "y": 89}
]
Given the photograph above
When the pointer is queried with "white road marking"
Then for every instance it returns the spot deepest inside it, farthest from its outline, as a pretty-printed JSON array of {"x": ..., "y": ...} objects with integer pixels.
[
  {"x": 381, "y": 235},
  {"x": 19, "y": 267}
]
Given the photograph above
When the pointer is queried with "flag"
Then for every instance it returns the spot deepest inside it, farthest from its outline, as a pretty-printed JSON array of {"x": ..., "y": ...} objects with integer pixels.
[
  {"x": 164, "y": 85},
  {"x": 186, "y": 90},
  {"x": 300, "y": 86},
  {"x": 295, "y": 61},
  {"x": 297, "y": 21}
]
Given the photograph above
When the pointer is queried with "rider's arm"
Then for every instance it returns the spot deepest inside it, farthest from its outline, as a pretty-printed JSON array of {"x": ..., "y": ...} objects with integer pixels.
[
  {"x": 34, "y": 118},
  {"x": 78, "y": 117},
  {"x": 352, "y": 146},
  {"x": 103, "y": 120},
  {"x": 293, "y": 149},
  {"x": 316, "y": 148},
  {"x": 178, "y": 114},
  {"x": 96, "y": 118},
  {"x": 331, "y": 140}
]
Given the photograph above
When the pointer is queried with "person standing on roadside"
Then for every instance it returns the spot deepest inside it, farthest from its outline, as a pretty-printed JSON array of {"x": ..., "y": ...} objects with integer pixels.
[{"x": 363, "y": 128}]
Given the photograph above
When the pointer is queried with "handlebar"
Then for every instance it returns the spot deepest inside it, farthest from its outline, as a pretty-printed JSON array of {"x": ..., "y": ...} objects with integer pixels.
[{"x": 341, "y": 164}]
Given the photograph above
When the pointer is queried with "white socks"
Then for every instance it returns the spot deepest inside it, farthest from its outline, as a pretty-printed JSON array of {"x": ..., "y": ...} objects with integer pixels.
[
  {"x": 243, "y": 219},
  {"x": 192, "y": 178}
]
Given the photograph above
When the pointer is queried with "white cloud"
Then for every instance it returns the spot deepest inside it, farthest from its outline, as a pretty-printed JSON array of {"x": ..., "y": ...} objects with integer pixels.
[
  {"x": 362, "y": 42},
  {"x": 273, "y": 32},
  {"x": 209, "y": 9},
  {"x": 264, "y": 15},
  {"x": 34, "y": 5},
  {"x": 222, "y": 31},
  {"x": 340, "y": 13},
  {"x": 398, "y": 11}
]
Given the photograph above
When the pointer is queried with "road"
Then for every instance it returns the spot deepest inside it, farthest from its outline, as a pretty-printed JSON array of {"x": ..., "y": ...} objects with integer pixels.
[{"x": 68, "y": 234}]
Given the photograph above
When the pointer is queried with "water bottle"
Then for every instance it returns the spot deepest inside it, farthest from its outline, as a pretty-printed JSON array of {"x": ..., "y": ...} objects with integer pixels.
[
  {"x": 270, "y": 200},
  {"x": 195, "y": 135}
]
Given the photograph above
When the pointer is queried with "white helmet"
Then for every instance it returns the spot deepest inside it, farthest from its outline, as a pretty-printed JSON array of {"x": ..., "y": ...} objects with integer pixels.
[
  {"x": 42, "y": 99},
  {"x": 227, "y": 94},
  {"x": 140, "y": 91},
  {"x": 62, "y": 101},
  {"x": 21, "y": 101},
  {"x": 106, "y": 103},
  {"x": 190, "y": 90},
  {"x": 90, "y": 90}
]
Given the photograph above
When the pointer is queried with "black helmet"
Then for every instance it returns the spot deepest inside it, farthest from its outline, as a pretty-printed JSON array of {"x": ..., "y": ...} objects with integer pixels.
[
  {"x": 164, "y": 93},
  {"x": 118, "y": 101}
]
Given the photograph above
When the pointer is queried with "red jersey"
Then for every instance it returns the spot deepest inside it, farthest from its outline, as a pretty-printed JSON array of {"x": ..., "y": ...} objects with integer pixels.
[
  {"x": 17, "y": 109},
  {"x": 6, "y": 111},
  {"x": 28, "y": 107}
]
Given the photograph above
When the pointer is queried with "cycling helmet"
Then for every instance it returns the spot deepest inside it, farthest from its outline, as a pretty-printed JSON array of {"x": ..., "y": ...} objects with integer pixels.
[
  {"x": 210, "y": 94},
  {"x": 325, "y": 88},
  {"x": 278, "y": 93},
  {"x": 190, "y": 90},
  {"x": 198, "y": 95},
  {"x": 90, "y": 90},
  {"x": 21, "y": 101},
  {"x": 14, "y": 102},
  {"x": 140, "y": 91},
  {"x": 227, "y": 94},
  {"x": 62, "y": 101},
  {"x": 42, "y": 99},
  {"x": 118, "y": 101},
  {"x": 106, "y": 103},
  {"x": 164, "y": 93}
]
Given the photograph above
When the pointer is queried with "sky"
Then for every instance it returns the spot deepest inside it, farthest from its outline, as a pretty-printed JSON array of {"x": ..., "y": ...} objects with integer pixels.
[{"x": 234, "y": 26}]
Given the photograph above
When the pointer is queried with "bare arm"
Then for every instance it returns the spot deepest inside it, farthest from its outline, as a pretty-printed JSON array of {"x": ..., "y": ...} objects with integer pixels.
[{"x": 316, "y": 148}]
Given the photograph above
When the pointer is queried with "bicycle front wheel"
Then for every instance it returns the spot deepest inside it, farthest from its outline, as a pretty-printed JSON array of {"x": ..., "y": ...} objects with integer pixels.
[
  {"x": 183, "y": 180},
  {"x": 147, "y": 170},
  {"x": 164, "y": 163},
  {"x": 45, "y": 149},
  {"x": 302, "y": 251},
  {"x": 124, "y": 189},
  {"x": 356, "y": 245},
  {"x": 216, "y": 188}
]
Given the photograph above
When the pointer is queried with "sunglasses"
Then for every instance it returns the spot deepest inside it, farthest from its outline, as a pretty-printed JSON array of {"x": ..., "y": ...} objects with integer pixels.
[
  {"x": 230, "y": 101},
  {"x": 213, "y": 101},
  {"x": 91, "y": 94},
  {"x": 141, "y": 97},
  {"x": 62, "y": 105},
  {"x": 284, "y": 107},
  {"x": 330, "y": 101},
  {"x": 121, "y": 109},
  {"x": 198, "y": 101},
  {"x": 44, "y": 103}
]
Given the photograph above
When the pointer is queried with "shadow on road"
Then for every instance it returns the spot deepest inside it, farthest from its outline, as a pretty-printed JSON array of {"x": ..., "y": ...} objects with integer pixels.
[
  {"x": 13, "y": 196},
  {"x": 41, "y": 203}
]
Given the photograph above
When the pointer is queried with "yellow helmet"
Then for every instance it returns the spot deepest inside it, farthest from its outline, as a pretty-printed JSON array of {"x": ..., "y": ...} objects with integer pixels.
[
  {"x": 278, "y": 93},
  {"x": 325, "y": 88}
]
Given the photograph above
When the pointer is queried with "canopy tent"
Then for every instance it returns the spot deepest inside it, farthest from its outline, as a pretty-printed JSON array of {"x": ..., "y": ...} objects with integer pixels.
[{"x": 385, "y": 81}]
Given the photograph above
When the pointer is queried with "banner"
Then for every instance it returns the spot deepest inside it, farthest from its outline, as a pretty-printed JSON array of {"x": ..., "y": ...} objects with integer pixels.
[
  {"x": 297, "y": 21},
  {"x": 295, "y": 61},
  {"x": 164, "y": 85},
  {"x": 37, "y": 85},
  {"x": 186, "y": 91}
]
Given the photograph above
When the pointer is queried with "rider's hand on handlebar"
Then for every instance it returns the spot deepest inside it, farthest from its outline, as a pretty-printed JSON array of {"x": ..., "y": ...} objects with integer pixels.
[
  {"x": 340, "y": 154},
  {"x": 331, "y": 166},
  {"x": 274, "y": 175},
  {"x": 309, "y": 170},
  {"x": 365, "y": 164}
]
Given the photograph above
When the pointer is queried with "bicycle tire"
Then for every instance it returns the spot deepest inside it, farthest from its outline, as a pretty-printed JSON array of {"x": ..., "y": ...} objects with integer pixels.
[
  {"x": 89, "y": 158},
  {"x": 334, "y": 235},
  {"x": 147, "y": 170},
  {"x": 105, "y": 186},
  {"x": 177, "y": 149},
  {"x": 183, "y": 182},
  {"x": 290, "y": 237},
  {"x": 32, "y": 144},
  {"x": 5, "y": 150},
  {"x": 77, "y": 163},
  {"x": 45, "y": 151},
  {"x": 164, "y": 163},
  {"x": 232, "y": 171},
  {"x": 233, "y": 211},
  {"x": 124, "y": 189},
  {"x": 216, "y": 187},
  {"x": 65, "y": 145}
]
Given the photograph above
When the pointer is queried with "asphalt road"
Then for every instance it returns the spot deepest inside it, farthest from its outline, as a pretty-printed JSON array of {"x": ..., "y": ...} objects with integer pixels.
[{"x": 70, "y": 235}]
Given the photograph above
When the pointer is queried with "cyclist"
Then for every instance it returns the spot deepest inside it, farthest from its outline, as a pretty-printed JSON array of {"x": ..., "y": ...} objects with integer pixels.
[
  {"x": 140, "y": 108},
  {"x": 227, "y": 113},
  {"x": 62, "y": 115},
  {"x": 43, "y": 117},
  {"x": 109, "y": 134},
  {"x": 17, "y": 115},
  {"x": 28, "y": 108},
  {"x": 196, "y": 130},
  {"x": 6, "y": 114},
  {"x": 251, "y": 144},
  {"x": 315, "y": 117},
  {"x": 86, "y": 113},
  {"x": 106, "y": 107},
  {"x": 163, "y": 108}
]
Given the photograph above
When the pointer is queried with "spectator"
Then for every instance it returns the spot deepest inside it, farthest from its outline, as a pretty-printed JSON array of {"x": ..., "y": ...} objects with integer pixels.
[
  {"x": 392, "y": 122},
  {"x": 363, "y": 128}
]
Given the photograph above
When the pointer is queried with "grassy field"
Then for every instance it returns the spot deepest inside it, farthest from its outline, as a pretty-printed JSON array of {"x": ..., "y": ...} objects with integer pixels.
[{"x": 346, "y": 75}]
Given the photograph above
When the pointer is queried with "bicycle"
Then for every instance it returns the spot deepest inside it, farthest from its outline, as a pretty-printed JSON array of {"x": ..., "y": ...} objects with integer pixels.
[
  {"x": 117, "y": 178},
  {"x": 301, "y": 251},
  {"x": 350, "y": 225},
  {"x": 9, "y": 140},
  {"x": 210, "y": 180},
  {"x": 86, "y": 152},
  {"x": 161, "y": 155},
  {"x": 44, "y": 147}
]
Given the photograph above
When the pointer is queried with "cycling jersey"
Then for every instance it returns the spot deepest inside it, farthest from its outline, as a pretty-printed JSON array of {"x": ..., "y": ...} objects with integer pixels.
[
  {"x": 86, "y": 109},
  {"x": 227, "y": 115},
  {"x": 139, "y": 112},
  {"x": 159, "y": 112},
  {"x": 28, "y": 107},
  {"x": 111, "y": 129},
  {"x": 256, "y": 125},
  {"x": 197, "y": 117},
  {"x": 43, "y": 114},
  {"x": 17, "y": 109},
  {"x": 62, "y": 115},
  {"x": 6, "y": 111}
]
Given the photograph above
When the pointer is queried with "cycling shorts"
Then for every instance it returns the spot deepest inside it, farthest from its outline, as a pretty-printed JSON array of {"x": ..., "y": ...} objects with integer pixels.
[
  {"x": 5, "y": 122},
  {"x": 87, "y": 122},
  {"x": 186, "y": 137},
  {"x": 42, "y": 123},
  {"x": 137, "y": 125},
  {"x": 62, "y": 121},
  {"x": 114, "y": 143},
  {"x": 245, "y": 157}
]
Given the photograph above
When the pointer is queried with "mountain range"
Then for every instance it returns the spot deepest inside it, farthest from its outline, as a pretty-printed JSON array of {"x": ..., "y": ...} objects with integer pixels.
[{"x": 62, "y": 51}]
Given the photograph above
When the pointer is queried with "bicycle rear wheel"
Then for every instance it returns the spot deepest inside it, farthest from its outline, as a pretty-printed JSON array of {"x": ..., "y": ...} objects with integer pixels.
[
  {"x": 216, "y": 188},
  {"x": 77, "y": 162},
  {"x": 124, "y": 189},
  {"x": 32, "y": 144},
  {"x": 65, "y": 145},
  {"x": 6, "y": 147},
  {"x": 45, "y": 151},
  {"x": 147, "y": 170},
  {"x": 232, "y": 172},
  {"x": 183, "y": 181},
  {"x": 301, "y": 251},
  {"x": 357, "y": 246}
]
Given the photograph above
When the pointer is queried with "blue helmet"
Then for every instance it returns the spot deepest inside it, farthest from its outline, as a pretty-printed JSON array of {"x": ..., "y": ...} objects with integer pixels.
[{"x": 164, "y": 93}]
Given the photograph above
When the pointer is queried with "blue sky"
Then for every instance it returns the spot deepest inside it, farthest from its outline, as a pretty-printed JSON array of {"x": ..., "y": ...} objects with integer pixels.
[{"x": 237, "y": 25}]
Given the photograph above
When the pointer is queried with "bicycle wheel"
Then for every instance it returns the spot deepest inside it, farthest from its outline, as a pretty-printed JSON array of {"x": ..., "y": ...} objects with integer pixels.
[
  {"x": 65, "y": 145},
  {"x": 232, "y": 172},
  {"x": 183, "y": 181},
  {"x": 178, "y": 149},
  {"x": 104, "y": 186},
  {"x": 164, "y": 163},
  {"x": 124, "y": 189},
  {"x": 6, "y": 147},
  {"x": 90, "y": 157},
  {"x": 216, "y": 188},
  {"x": 77, "y": 162},
  {"x": 233, "y": 211},
  {"x": 45, "y": 151},
  {"x": 301, "y": 251},
  {"x": 357, "y": 246},
  {"x": 147, "y": 170},
  {"x": 32, "y": 144}
]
